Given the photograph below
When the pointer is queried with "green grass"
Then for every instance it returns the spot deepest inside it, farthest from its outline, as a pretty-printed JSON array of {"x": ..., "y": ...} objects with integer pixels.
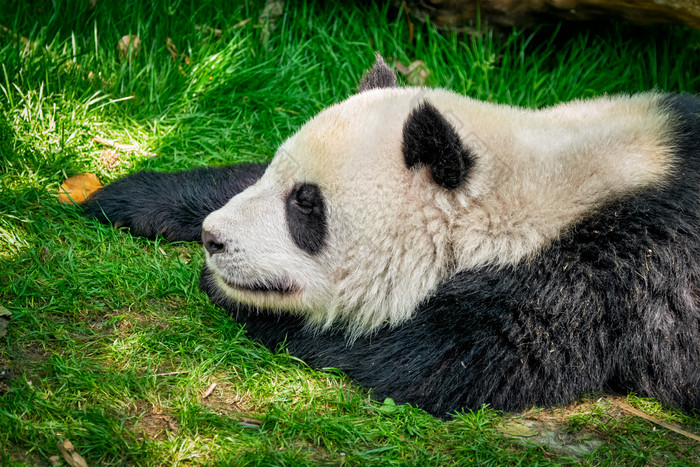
[{"x": 100, "y": 318}]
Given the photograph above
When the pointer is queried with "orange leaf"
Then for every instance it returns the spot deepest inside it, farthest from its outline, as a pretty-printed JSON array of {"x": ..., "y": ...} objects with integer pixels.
[{"x": 77, "y": 189}]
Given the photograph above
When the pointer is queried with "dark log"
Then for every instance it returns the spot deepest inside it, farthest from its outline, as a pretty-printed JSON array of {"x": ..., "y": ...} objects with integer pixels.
[{"x": 526, "y": 13}]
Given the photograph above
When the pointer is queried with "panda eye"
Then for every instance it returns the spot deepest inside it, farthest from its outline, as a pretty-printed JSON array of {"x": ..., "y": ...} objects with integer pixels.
[
  {"x": 305, "y": 212},
  {"x": 306, "y": 198}
]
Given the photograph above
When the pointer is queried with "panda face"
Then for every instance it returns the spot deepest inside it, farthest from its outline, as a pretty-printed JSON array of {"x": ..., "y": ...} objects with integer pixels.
[
  {"x": 271, "y": 237},
  {"x": 338, "y": 227}
]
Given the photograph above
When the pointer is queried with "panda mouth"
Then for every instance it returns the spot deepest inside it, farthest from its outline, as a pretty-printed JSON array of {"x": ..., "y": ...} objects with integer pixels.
[{"x": 263, "y": 287}]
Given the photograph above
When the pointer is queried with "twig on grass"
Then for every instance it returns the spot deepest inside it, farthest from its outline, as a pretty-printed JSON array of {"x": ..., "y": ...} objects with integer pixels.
[
  {"x": 123, "y": 147},
  {"x": 249, "y": 423},
  {"x": 655, "y": 420},
  {"x": 208, "y": 392},
  {"x": 173, "y": 373}
]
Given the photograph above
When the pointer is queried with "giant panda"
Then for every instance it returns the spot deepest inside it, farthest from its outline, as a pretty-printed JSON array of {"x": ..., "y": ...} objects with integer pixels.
[{"x": 449, "y": 253}]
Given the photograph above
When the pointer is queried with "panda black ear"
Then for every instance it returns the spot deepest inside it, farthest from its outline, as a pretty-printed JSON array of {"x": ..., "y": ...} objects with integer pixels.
[
  {"x": 429, "y": 139},
  {"x": 380, "y": 76}
]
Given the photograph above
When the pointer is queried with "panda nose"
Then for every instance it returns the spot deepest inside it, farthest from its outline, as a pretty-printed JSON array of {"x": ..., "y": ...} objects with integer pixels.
[{"x": 212, "y": 243}]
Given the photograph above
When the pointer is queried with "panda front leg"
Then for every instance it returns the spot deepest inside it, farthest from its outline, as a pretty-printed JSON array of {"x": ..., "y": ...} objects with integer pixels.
[{"x": 173, "y": 205}]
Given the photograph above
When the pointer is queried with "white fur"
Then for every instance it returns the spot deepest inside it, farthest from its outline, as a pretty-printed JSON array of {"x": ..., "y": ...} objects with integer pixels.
[{"x": 394, "y": 234}]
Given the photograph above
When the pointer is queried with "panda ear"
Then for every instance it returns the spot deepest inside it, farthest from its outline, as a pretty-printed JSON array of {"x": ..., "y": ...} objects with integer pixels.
[
  {"x": 429, "y": 139},
  {"x": 380, "y": 76}
]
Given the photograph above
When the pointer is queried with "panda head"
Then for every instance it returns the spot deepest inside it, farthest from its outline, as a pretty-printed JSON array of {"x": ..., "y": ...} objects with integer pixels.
[{"x": 350, "y": 223}]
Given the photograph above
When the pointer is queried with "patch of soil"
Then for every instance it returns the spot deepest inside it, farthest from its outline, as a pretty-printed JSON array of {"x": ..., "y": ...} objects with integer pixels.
[
  {"x": 572, "y": 430},
  {"x": 551, "y": 428},
  {"x": 28, "y": 361},
  {"x": 20, "y": 456},
  {"x": 154, "y": 424},
  {"x": 124, "y": 321},
  {"x": 557, "y": 438},
  {"x": 226, "y": 400}
]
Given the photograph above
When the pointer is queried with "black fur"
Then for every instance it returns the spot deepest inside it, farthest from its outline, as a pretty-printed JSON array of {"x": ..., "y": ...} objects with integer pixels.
[
  {"x": 429, "y": 139},
  {"x": 612, "y": 305},
  {"x": 173, "y": 205},
  {"x": 305, "y": 211},
  {"x": 380, "y": 76}
]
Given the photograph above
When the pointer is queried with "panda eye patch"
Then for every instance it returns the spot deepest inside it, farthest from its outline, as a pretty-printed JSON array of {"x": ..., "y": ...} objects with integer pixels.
[{"x": 306, "y": 217}]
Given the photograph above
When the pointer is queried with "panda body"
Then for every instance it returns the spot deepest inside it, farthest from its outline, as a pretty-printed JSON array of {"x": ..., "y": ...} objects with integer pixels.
[{"x": 449, "y": 253}]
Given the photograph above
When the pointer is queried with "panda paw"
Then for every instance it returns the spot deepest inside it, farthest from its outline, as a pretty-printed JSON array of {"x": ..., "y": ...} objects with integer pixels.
[
  {"x": 173, "y": 205},
  {"x": 135, "y": 202}
]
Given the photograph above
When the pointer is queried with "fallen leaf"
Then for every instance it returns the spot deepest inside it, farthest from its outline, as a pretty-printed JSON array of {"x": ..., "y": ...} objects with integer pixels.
[
  {"x": 78, "y": 188},
  {"x": 128, "y": 46},
  {"x": 44, "y": 255},
  {"x": 416, "y": 73},
  {"x": 171, "y": 48},
  {"x": 7, "y": 32},
  {"x": 70, "y": 455},
  {"x": 209, "y": 31},
  {"x": 388, "y": 406},
  {"x": 268, "y": 19}
]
